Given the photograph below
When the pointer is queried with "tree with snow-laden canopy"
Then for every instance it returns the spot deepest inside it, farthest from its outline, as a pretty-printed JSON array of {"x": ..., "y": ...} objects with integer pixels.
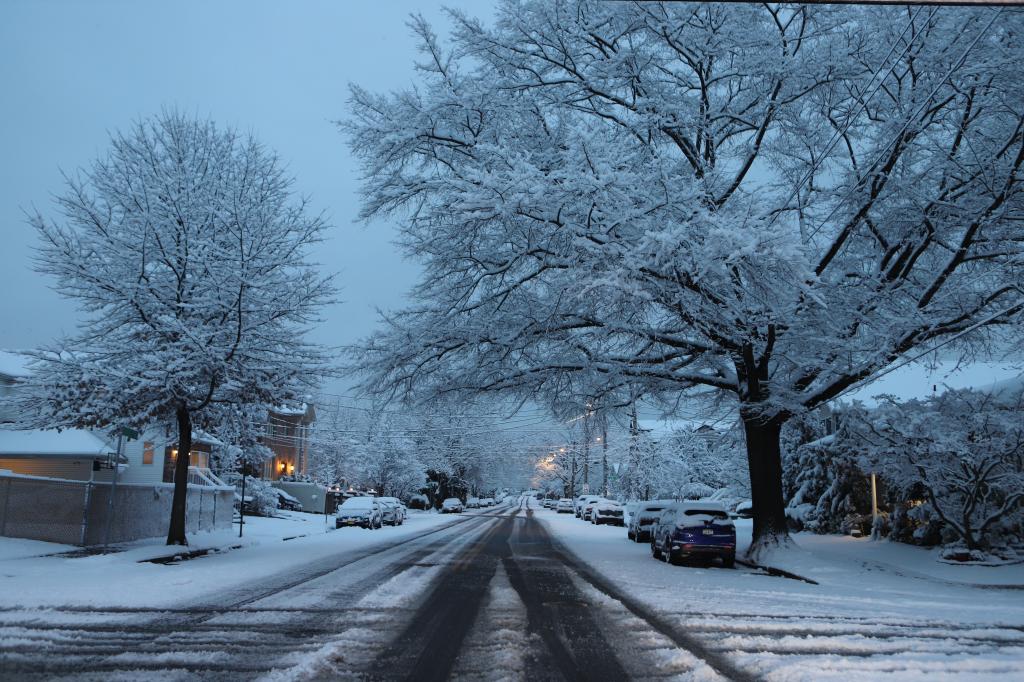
[
  {"x": 188, "y": 255},
  {"x": 775, "y": 202},
  {"x": 962, "y": 451}
]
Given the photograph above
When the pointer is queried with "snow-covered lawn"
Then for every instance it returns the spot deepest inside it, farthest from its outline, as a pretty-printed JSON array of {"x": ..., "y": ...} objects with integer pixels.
[
  {"x": 879, "y": 609},
  {"x": 30, "y": 574}
]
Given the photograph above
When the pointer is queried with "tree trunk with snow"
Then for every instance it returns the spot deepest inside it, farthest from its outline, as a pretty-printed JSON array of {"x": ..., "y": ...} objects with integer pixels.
[
  {"x": 764, "y": 457},
  {"x": 179, "y": 503}
]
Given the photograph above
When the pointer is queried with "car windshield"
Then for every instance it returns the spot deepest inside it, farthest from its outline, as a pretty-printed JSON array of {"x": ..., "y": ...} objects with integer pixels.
[
  {"x": 714, "y": 513},
  {"x": 358, "y": 503}
]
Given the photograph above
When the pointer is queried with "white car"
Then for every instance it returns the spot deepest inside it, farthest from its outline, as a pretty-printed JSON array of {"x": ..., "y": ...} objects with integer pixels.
[
  {"x": 452, "y": 505},
  {"x": 486, "y": 501},
  {"x": 393, "y": 510},
  {"x": 582, "y": 501},
  {"x": 472, "y": 502},
  {"x": 365, "y": 512},
  {"x": 564, "y": 506}
]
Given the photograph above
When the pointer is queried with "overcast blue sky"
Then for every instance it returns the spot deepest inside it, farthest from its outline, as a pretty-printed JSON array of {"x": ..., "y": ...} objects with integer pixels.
[{"x": 71, "y": 72}]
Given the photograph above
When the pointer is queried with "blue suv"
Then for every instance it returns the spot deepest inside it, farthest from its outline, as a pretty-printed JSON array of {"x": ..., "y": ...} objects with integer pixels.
[{"x": 687, "y": 530}]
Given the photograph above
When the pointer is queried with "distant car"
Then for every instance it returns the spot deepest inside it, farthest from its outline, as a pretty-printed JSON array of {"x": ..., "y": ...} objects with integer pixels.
[
  {"x": 606, "y": 512},
  {"x": 472, "y": 502},
  {"x": 645, "y": 517},
  {"x": 564, "y": 506},
  {"x": 688, "y": 530},
  {"x": 452, "y": 505},
  {"x": 365, "y": 512},
  {"x": 392, "y": 510},
  {"x": 486, "y": 501},
  {"x": 550, "y": 503},
  {"x": 588, "y": 508},
  {"x": 581, "y": 502}
]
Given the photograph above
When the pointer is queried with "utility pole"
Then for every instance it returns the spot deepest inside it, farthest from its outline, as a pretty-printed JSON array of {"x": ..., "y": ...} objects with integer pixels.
[
  {"x": 604, "y": 454},
  {"x": 586, "y": 450},
  {"x": 113, "y": 488},
  {"x": 132, "y": 435}
]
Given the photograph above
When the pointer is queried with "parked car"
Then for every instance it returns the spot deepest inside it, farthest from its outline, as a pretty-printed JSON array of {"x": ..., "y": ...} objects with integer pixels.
[
  {"x": 644, "y": 519},
  {"x": 550, "y": 503},
  {"x": 588, "y": 507},
  {"x": 694, "y": 529},
  {"x": 365, "y": 512},
  {"x": 606, "y": 512},
  {"x": 628, "y": 510},
  {"x": 564, "y": 506},
  {"x": 582, "y": 502},
  {"x": 472, "y": 502},
  {"x": 486, "y": 501},
  {"x": 452, "y": 505},
  {"x": 287, "y": 501},
  {"x": 392, "y": 510}
]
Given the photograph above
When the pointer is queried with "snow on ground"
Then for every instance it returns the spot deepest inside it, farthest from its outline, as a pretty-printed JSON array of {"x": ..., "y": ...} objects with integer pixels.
[
  {"x": 896, "y": 557},
  {"x": 32, "y": 574},
  {"x": 869, "y": 617}
]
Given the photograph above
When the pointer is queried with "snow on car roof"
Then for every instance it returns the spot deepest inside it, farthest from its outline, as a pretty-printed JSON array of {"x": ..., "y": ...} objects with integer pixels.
[
  {"x": 702, "y": 506},
  {"x": 358, "y": 502}
]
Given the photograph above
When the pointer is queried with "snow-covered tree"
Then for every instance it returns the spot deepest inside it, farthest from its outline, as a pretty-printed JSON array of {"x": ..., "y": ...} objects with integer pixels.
[
  {"x": 964, "y": 449},
  {"x": 187, "y": 252},
  {"x": 775, "y": 202}
]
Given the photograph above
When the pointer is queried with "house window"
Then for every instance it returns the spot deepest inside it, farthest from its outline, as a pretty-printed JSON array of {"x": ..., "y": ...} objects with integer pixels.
[{"x": 147, "y": 453}]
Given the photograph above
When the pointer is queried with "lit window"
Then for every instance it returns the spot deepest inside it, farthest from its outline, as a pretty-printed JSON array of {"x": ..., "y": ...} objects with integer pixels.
[{"x": 147, "y": 453}]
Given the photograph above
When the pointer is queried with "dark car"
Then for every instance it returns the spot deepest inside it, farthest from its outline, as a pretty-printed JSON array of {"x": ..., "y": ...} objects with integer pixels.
[
  {"x": 644, "y": 519},
  {"x": 606, "y": 511},
  {"x": 694, "y": 530}
]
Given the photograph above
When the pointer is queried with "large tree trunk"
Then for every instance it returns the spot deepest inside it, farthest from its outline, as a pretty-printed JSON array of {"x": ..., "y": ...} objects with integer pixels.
[
  {"x": 764, "y": 457},
  {"x": 176, "y": 532}
]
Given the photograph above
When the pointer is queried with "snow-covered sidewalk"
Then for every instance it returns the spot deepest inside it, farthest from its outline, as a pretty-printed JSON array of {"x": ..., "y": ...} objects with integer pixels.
[
  {"x": 34, "y": 574},
  {"x": 867, "y": 618}
]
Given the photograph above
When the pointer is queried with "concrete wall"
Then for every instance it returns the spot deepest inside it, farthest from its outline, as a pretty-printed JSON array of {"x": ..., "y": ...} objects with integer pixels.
[{"x": 74, "y": 512}]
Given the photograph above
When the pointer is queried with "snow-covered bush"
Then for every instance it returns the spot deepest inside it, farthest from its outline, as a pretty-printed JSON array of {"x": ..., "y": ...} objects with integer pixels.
[
  {"x": 261, "y": 498},
  {"x": 825, "y": 489},
  {"x": 956, "y": 460}
]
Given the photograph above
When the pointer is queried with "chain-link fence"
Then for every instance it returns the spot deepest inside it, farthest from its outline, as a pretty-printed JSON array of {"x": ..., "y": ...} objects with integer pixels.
[{"x": 80, "y": 512}]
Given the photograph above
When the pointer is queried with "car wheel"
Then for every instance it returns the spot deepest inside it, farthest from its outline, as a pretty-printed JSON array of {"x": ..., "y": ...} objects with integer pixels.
[
  {"x": 728, "y": 562},
  {"x": 666, "y": 552},
  {"x": 655, "y": 552}
]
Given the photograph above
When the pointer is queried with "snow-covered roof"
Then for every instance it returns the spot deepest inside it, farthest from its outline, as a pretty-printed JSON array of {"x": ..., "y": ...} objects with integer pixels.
[
  {"x": 36, "y": 443},
  {"x": 13, "y": 364}
]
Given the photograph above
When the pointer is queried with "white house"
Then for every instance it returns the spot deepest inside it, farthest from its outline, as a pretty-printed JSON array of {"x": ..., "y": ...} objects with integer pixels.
[{"x": 62, "y": 479}]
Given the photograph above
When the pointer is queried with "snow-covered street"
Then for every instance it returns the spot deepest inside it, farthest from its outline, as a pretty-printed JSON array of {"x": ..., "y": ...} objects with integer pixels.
[{"x": 512, "y": 592}]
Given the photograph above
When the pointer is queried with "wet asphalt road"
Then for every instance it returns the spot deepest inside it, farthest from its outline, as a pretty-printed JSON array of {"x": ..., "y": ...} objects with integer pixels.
[{"x": 489, "y": 597}]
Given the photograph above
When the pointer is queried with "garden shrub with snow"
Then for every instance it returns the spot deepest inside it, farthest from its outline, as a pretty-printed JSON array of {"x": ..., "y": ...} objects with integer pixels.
[{"x": 950, "y": 470}]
